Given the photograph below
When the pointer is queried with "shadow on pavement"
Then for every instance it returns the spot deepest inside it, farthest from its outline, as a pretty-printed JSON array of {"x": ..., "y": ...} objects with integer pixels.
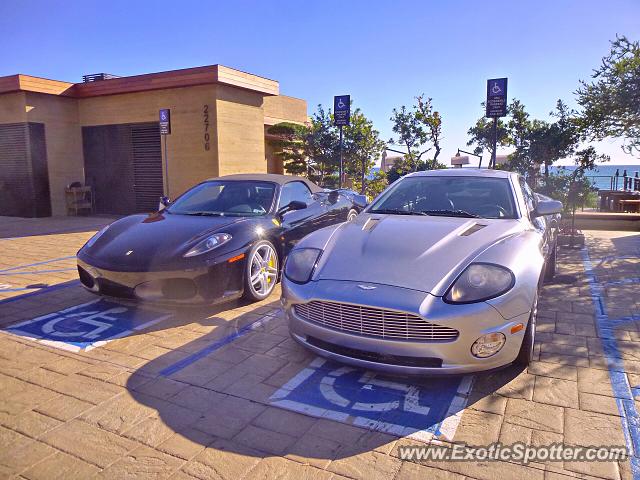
[{"x": 224, "y": 399}]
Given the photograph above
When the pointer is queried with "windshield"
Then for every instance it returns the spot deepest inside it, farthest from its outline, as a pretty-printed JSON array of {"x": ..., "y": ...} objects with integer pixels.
[
  {"x": 448, "y": 196},
  {"x": 226, "y": 198}
]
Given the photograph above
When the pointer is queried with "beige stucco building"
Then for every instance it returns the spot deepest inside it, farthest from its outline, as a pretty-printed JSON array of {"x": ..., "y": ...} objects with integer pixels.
[{"x": 105, "y": 133}]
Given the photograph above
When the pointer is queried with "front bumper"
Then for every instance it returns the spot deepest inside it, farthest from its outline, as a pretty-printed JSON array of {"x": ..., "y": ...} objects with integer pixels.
[
  {"x": 397, "y": 356},
  {"x": 204, "y": 285}
]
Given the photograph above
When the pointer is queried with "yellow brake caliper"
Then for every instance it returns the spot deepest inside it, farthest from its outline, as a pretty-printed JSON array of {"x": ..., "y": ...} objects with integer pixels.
[{"x": 272, "y": 264}]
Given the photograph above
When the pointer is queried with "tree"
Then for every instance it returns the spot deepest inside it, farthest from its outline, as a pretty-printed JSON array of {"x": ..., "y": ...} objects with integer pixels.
[
  {"x": 418, "y": 129},
  {"x": 376, "y": 185},
  {"x": 519, "y": 128},
  {"x": 550, "y": 142},
  {"x": 482, "y": 135},
  {"x": 322, "y": 144},
  {"x": 611, "y": 102},
  {"x": 290, "y": 145},
  {"x": 432, "y": 120},
  {"x": 362, "y": 148}
]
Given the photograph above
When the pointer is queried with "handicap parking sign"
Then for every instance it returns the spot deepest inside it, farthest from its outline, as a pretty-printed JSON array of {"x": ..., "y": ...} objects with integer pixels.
[
  {"x": 86, "y": 326},
  {"x": 422, "y": 409}
]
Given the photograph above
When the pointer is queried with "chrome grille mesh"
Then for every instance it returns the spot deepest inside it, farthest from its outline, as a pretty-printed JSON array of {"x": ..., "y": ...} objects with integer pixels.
[{"x": 374, "y": 322}]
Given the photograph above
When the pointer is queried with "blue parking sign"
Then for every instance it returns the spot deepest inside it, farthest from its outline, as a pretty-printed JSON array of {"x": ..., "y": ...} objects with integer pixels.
[
  {"x": 341, "y": 110},
  {"x": 421, "y": 409},
  {"x": 87, "y": 326},
  {"x": 496, "y": 104}
]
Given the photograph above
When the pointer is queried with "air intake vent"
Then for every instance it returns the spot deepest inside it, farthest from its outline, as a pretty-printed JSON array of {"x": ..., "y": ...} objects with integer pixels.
[
  {"x": 472, "y": 229},
  {"x": 96, "y": 77}
]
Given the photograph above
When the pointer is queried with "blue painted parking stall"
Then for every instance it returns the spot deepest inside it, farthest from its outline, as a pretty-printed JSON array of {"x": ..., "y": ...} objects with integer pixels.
[
  {"x": 89, "y": 325},
  {"x": 606, "y": 326},
  {"x": 422, "y": 409}
]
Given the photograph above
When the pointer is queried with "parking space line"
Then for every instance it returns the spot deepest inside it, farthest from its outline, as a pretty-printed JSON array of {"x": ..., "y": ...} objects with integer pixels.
[
  {"x": 52, "y": 288},
  {"x": 619, "y": 381},
  {"x": 38, "y": 272},
  {"x": 18, "y": 267},
  {"x": 185, "y": 362}
]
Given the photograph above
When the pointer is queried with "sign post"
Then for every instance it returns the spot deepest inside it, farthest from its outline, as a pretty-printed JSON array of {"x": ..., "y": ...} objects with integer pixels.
[
  {"x": 165, "y": 129},
  {"x": 341, "y": 117},
  {"x": 496, "y": 107}
]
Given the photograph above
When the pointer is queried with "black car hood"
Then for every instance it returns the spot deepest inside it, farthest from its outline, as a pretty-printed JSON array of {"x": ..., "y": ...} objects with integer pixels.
[{"x": 148, "y": 241}]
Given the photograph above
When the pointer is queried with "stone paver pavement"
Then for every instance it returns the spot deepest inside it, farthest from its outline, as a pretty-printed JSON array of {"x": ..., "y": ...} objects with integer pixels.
[{"x": 115, "y": 412}]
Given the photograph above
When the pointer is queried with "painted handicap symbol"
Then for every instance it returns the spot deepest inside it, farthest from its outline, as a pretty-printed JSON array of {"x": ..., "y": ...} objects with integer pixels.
[
  {"x": 89, "y": 325},
  {"x": 409, "y": 403},
  {"x": 91, "y": 317},
  {"x": 341, "y": 104},
  {"x": 496, "y": 88},
  {"x": 422, "y": 409}
]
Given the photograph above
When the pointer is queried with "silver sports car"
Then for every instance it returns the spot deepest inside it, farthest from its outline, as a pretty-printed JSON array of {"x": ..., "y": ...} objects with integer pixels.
[{"x": 439, "y": 275}]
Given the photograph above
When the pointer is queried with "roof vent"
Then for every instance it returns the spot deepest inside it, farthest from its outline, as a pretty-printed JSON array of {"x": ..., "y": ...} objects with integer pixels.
[{"x": 96, "y": 77}]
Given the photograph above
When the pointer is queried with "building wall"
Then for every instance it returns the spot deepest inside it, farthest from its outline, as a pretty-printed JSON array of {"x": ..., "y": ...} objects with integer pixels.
[
  {"x": 12, "y": 108},
  {"x": 281, "y": 108},
  {"x": 63, "y": 142},
  {"x": 217, "y": 129},
  {"x": 240, "y": 133},
  {"x": 189, "y": 161}
]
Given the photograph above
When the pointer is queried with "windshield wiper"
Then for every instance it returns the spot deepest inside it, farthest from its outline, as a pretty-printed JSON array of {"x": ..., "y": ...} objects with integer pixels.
[
  {"x": 205, "y": 214},
  {"x": 452, "y": 213},
  {"x": 396, "y": 212}
]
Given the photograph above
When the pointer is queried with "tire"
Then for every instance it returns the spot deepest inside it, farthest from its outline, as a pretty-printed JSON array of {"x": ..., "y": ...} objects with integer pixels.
[
  {"x": 525, "y": 355},
  {"x": 550, "y": 268},
  {"x": 262, "y": 267},
  {"x": 351, "y": 215}
]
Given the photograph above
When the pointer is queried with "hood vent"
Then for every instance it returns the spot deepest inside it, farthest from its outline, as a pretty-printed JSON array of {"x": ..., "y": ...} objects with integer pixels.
[
  {"x": 472, "y": 229},
  {"x": 370, "y": 224}
]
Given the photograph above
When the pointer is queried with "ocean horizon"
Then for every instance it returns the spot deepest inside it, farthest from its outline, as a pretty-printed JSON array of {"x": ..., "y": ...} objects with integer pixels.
[{"x": 600, "y": 176}]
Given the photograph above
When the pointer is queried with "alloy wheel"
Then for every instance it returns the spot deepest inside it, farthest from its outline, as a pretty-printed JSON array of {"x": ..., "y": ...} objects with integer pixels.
[{"x": 264, "y": 270}]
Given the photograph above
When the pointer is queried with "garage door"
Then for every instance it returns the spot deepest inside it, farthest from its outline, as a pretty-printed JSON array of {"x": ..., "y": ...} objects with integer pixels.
[
  {"x": 123, "y": 165},
  {"x": 24, "y": 178}
]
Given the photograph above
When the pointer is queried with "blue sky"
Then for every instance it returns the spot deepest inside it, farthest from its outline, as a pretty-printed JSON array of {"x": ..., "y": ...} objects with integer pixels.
[{"x": 382, "y": 53}]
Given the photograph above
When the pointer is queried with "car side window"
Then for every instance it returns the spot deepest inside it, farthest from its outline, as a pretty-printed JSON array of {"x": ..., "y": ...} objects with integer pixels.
[
  {"x": 295, "y": 191},
  {"x": 529, "y": 197}
]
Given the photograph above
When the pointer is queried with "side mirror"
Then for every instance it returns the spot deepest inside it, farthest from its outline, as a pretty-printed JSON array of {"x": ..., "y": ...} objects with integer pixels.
[
  {"x": 293, "y": 205},
  {"x": 547, "y": 207},
  {"x": 164, "y": 203},
  {"x": 333, "y": 196}
]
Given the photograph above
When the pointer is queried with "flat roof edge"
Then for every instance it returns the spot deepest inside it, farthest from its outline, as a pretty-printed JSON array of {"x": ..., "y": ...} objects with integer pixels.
[{"x": 211, "y": 74}]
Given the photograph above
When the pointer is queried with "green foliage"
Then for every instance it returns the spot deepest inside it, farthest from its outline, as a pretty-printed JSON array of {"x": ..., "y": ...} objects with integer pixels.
[
  {"x": 572, "y": 187},
  {"x": 418, "y": 129},
  {"x": 290, "y": 146},
  {"x": 314, "y": 150},
  {"x": 611, "y": 102},
  {"x": 376, "y": 185},
  {"x": 322, "y": 146},
  {"x": 362, "y": 148},
  {"x": 481, "y": 135}
]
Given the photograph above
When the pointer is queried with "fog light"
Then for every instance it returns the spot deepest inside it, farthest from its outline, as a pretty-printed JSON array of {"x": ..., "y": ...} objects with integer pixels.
[{"x": 488, "y": 345}]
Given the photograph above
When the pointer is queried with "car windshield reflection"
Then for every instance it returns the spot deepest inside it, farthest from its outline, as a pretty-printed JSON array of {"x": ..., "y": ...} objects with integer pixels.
[
  {"x": 226, "y": 198},
  {"x": 467, "y": 197}
]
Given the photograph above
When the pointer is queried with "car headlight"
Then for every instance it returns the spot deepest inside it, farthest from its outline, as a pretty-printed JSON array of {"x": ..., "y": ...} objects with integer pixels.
[
  {"x": 300, "y": 264},
  {"x": 480, "y": 281},
  {"x": 93, "y": 239},
  {"x": 208, "y": 244}
]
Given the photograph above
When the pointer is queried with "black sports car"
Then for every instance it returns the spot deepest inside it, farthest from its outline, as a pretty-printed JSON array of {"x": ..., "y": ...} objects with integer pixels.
[{"x": 224, "y": 238}]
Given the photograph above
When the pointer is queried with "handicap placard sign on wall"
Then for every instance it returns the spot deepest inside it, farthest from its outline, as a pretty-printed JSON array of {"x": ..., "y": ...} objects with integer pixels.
[
  {"x": 87, "y": 326},
  {"x": 424, "y": 409}
]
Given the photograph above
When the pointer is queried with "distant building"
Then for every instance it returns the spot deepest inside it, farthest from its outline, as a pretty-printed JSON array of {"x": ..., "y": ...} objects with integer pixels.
[
  {"x": 105, "y": 133},
  {"x": 388, "y": 159}
]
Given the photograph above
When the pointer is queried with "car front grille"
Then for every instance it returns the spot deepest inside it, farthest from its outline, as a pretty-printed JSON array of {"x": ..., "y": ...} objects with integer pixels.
[{"x": 373, "y": 322}]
